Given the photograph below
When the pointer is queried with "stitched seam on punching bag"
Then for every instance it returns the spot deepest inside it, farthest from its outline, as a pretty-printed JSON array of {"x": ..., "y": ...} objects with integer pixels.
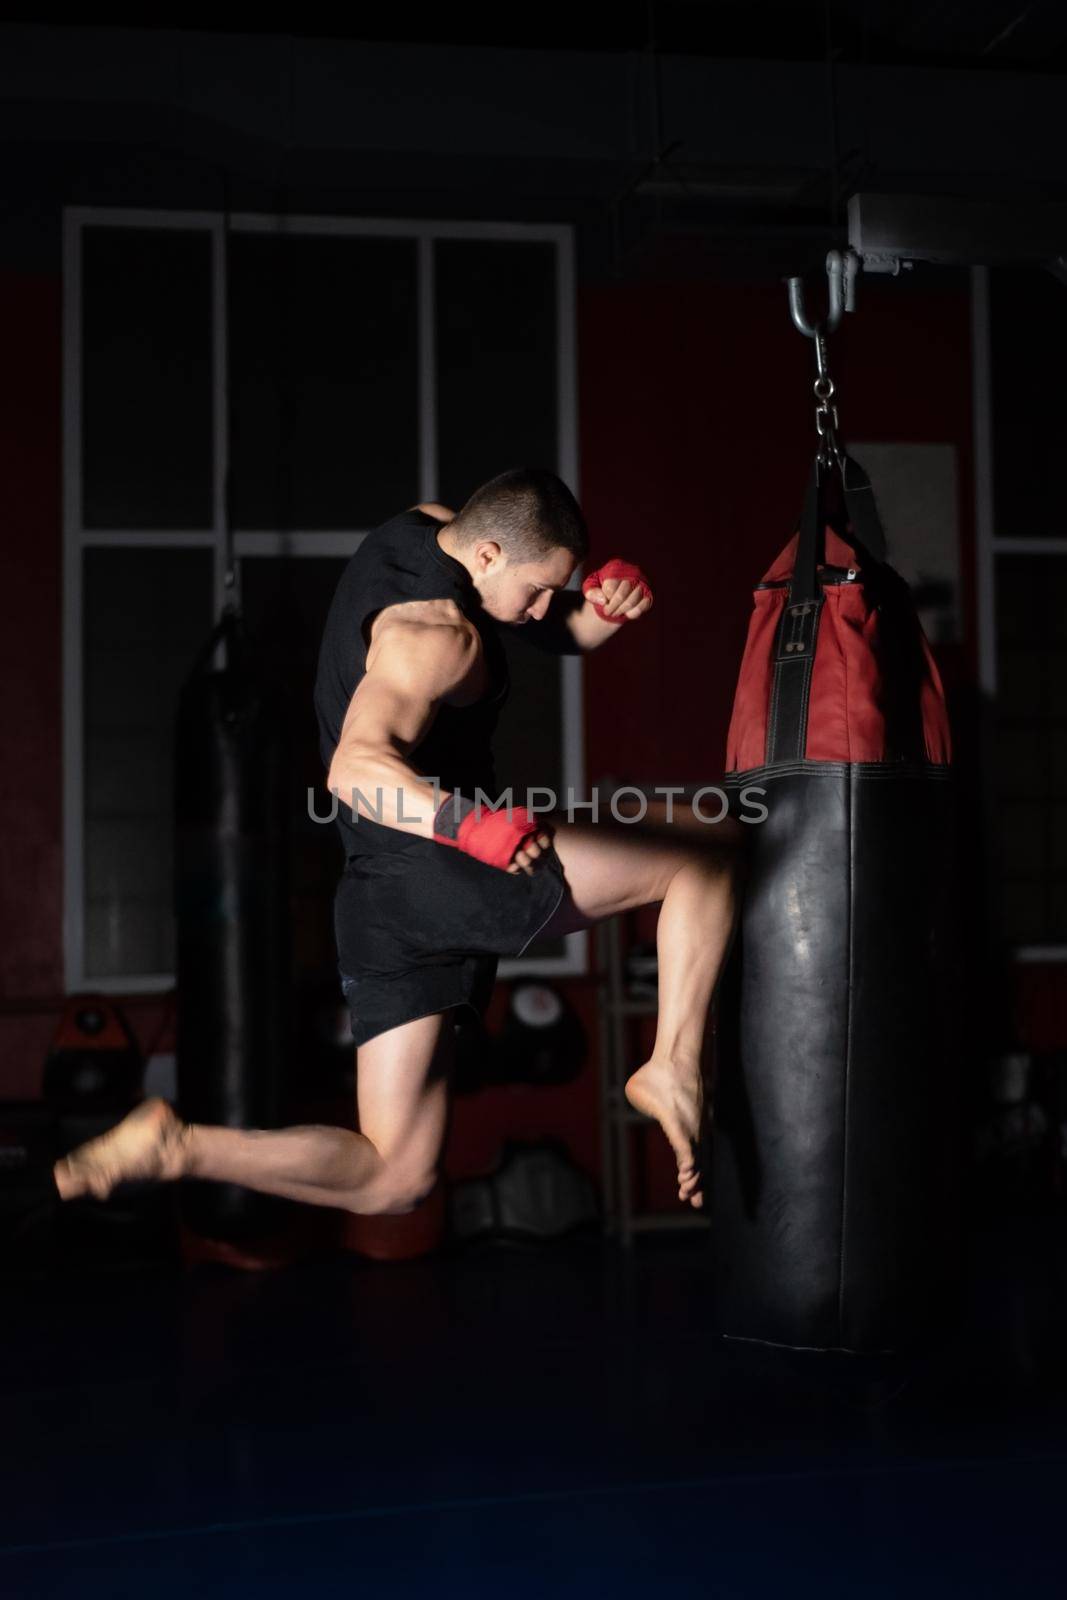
[
  {"x": 786, "y": 686},
  {"x": 805, "y": 695},
  {"x": 846, "y": 1098},
  {"x": 809, "y": 674},
  {"x": 783, "y": 687},
  {"x": 782, "y": 675},
  {"x": 772, "y": 723},
  {"x": 772, "y": 731},
  {"x": 777, "y": 688},
  {"x": 848, "y": 694},
  {"x": 892, "y": 771}
]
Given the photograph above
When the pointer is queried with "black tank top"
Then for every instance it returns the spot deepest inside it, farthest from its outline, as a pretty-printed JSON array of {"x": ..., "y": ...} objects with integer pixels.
[{"x": 400, "y": 561}]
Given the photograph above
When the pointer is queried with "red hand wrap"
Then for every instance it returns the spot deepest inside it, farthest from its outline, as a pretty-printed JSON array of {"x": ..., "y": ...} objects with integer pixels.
[
  {"x": 616, "y": 569},
  {"x": 489, "y": 836}
]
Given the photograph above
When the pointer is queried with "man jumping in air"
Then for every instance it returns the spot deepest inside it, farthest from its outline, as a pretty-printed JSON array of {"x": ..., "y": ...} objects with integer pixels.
[{"x": 436, "y": 886}]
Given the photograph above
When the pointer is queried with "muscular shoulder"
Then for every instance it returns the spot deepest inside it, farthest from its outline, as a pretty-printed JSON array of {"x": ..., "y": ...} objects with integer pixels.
[
  {"x": 428, "y": 644},
  {"x": 420, "y": 613}
]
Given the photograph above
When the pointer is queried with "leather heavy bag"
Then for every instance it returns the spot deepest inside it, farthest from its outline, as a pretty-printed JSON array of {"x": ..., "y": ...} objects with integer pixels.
[
  {"x": 231, "y": 908},
  {"x": 833, "y": 1156}
]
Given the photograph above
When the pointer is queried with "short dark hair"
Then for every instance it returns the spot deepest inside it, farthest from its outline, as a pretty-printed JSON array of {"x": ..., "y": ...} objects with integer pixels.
[{"x": 528, "y": 511}]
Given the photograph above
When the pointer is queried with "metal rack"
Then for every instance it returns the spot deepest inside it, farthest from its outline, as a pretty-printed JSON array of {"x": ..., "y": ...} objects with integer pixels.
[{"x": 618, "y": 1008}]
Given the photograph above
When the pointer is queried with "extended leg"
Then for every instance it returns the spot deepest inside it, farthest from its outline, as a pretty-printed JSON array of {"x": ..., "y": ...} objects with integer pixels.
[
  {"x": 390, "y": 1165},
  {"x": 609, "y": 870}
]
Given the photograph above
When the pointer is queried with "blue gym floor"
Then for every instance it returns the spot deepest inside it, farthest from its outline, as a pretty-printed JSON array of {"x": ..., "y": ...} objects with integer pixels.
[{"x": 539, "y": 1422}]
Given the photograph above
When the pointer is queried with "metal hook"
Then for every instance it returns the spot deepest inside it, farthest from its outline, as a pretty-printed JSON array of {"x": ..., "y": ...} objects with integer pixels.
[
  {"x": 798, "y": 312},
  {"x": 841, "y": 269}
]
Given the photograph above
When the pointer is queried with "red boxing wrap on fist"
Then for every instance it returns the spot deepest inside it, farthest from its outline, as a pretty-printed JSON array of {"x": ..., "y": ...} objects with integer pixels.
[
  {"x": 616, "y": 569},
  {"x": 489, "y": 836}
]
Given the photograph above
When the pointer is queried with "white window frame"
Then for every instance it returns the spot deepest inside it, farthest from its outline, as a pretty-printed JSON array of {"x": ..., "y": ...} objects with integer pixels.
[
  {"x": 267, "y": 542},
  {"x": 989, "y": 547}
]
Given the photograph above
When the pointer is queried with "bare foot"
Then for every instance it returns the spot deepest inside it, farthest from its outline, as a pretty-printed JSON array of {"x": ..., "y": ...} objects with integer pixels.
[
  {"x": 672, "y": 1092},
  {"x": 147, "y": 1145}
]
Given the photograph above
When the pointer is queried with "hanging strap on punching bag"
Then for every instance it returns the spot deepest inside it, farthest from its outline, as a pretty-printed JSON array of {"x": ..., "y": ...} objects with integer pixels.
[
  {"x": 794, "y": 654},
  {"x": 866, "y": 533},
  {"x": 798, "y": 630},
  {"x": 863, "y": 526}
]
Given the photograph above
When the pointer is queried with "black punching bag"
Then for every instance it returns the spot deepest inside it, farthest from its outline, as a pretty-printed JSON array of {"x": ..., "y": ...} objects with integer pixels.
[
  {"x": 834, "y": 1154},
  {"x": 231, "y": 909}
]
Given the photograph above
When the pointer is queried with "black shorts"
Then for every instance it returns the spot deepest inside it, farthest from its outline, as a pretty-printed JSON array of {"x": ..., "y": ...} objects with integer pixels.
[{"x": 420, "y": 930}]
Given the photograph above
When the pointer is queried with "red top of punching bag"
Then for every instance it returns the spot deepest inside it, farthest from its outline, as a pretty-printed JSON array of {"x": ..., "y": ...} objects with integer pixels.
[{"x": 874, "y": 694}]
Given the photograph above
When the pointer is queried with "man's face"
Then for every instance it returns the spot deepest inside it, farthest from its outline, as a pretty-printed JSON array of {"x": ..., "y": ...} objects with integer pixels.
[{"x": 519, "y": 592}]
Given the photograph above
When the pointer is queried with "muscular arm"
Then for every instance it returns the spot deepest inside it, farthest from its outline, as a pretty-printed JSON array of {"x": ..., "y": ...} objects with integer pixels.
[
  {"x": 570, "y": 626},
  {"x": 421, "y": 656}
]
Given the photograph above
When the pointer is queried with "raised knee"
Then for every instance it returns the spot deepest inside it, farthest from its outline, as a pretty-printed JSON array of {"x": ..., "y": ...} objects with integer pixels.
[
  {"x": 399, "y": 1191},
  {"x": 719, "y": 856},
  {"x": 406, "y": 1197}
]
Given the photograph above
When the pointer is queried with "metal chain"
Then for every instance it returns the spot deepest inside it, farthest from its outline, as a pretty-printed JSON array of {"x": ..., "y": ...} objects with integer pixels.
[
  {"x": 826, "y": 420},
  {"x": 841, "y": 268}
]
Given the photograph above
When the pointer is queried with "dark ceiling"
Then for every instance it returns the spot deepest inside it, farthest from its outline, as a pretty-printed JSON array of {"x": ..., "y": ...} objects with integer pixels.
[{"x": 1029, "y": 35}]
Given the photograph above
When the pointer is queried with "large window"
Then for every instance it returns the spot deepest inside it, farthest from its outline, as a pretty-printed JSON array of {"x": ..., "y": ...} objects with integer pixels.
[
  {"x": 297, "y": 380},
  {"x": 1021, "y": 417}
]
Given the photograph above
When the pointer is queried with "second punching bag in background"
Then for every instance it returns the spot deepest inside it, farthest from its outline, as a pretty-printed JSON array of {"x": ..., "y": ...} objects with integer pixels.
[
  {"x": 834, "y": 1198},
  {"x": 232, "y": 918}
]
